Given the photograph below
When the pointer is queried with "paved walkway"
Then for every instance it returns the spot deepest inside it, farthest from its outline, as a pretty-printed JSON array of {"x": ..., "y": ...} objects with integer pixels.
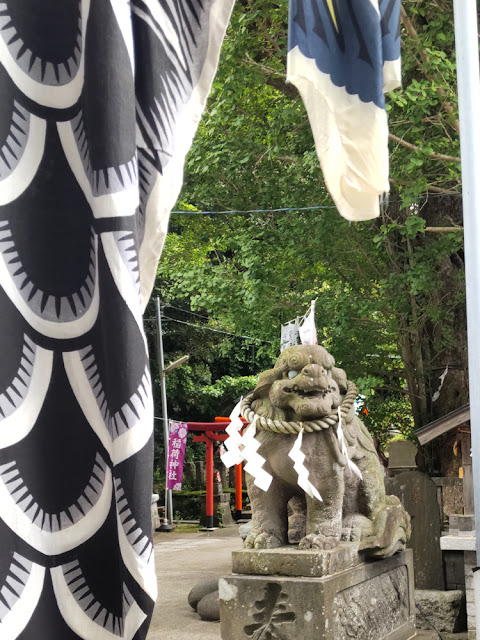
[{"x": 183, "y": 560}]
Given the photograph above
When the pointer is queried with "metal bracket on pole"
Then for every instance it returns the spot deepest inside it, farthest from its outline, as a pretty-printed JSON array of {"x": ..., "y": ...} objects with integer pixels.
[
  {"x": 468, "y": 74},
  {"x": 167, "y": 524}
]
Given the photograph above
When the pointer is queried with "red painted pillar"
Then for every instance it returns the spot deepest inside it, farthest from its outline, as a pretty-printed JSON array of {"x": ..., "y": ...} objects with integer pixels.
[
  {"x": 238, "y": 491},
  {"x": 209, "y": 473}
]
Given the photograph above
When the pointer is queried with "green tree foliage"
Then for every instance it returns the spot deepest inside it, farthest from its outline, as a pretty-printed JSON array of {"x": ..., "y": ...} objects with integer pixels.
[
  {"x": 390, "y": 292},
  {"x": 215, "y": 376}
]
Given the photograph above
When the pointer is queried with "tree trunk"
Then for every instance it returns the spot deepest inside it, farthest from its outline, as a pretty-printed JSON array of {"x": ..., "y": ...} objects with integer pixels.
[{"x": 440, "y": 457}]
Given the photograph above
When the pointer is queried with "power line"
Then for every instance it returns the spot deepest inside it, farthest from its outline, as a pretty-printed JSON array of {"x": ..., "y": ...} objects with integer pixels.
[
  {"x": 312, "y": 208},
  {"x": 199, "y": 326},
  {"x": 228, "y": 333},
  {"x": 192, "y": 313},
  {"x": 204, "y": 213}
]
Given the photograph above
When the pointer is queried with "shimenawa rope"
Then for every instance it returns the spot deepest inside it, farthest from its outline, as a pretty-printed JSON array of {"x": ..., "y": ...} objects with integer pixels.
[{"x": 282, "y": 426}]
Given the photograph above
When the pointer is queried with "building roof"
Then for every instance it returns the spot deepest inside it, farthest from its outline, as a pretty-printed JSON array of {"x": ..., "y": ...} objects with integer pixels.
[{"x": 436, "y": 428}]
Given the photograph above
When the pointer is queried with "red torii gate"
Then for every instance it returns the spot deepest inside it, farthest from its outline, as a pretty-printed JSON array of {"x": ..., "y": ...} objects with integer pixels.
[{"x": 209, "y": 435}]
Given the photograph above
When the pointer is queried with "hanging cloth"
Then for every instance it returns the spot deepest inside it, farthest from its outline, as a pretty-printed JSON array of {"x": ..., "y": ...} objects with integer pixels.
[
  {"x": 289, "y": 334},
  {"x": 100, "y": 102},
  {"x": 342, "y": 57}
]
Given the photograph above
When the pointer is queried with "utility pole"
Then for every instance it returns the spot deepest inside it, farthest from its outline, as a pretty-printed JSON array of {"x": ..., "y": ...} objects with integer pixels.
[
  {"x": 468, "y": 75},
  {"x": 168, "y": 520}
]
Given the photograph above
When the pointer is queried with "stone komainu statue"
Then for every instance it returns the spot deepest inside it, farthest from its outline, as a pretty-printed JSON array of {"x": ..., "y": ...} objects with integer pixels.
[{"x": 305, "y": 389}]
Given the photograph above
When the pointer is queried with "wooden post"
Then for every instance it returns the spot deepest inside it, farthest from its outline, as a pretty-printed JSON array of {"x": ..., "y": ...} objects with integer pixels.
[
  {"x": 238, "y": 491},
  {"x": 209, "y": 497},
  {"x": 467, "y": 472}
]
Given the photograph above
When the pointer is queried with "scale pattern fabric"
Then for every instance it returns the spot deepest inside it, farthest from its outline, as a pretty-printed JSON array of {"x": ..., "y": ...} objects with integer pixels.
[
  {"x": 100, "y": 101},
  {"x": 343, "y": 55}
]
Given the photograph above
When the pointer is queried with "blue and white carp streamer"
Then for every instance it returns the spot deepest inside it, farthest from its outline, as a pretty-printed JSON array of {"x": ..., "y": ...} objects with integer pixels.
[{"x": 343, "y": 55}]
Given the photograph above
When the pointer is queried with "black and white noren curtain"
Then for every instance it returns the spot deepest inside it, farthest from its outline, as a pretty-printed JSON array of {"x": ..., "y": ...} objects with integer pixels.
[{"x": 99, "y": 102}]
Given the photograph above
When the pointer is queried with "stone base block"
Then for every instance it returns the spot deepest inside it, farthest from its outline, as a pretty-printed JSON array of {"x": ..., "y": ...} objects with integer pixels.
[
  {"x": 461, "y": 525},
  {"x": 441, "y": 610},
  {"x": 291, "y": 561},
  {"x": 371, "y": 601}
]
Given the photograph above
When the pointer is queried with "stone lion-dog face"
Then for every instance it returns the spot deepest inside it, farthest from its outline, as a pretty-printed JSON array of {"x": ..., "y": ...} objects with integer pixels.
[{"x": 305, "y": 386}]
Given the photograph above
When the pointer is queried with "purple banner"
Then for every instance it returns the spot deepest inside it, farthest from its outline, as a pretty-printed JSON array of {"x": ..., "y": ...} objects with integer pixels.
[{"x": 176, "y": 454}]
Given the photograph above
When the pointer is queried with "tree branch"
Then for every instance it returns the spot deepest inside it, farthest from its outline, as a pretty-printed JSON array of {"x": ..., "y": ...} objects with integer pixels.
[
  {"x": 405, "y": 183},
  {"x": 449, "y": 192},
  {"x": 413, "y": 147},
  {"x": 273, "y": 78}
]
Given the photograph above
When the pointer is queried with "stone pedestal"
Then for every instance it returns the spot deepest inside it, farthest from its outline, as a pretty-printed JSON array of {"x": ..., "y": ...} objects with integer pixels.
[
  {"x": 462, "y": 540},
  {"x": 314, "y": 596}
]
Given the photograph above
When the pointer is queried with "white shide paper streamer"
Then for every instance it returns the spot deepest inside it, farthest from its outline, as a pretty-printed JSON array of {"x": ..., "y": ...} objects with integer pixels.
[
  {"x": 343, "y": 446},
  {"x": 298, "y": 458},
  {"x": 254, "y": 460},
  {"x": 245, "y": 447},
  {"x": 233, "y": 455},
  {"x": 307, "y": 329},
  {"x": 436, "y": 395}
]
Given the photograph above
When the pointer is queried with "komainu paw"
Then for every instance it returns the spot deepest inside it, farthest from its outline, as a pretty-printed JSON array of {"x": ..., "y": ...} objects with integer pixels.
[
  {"x": 262, "y": 540},
  {"x": 319, "y": 542}
]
